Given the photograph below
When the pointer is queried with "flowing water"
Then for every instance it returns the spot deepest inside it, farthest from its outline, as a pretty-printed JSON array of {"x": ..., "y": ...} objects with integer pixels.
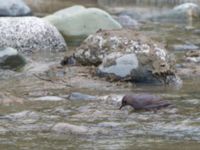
[{"x": 29, "y": 123}]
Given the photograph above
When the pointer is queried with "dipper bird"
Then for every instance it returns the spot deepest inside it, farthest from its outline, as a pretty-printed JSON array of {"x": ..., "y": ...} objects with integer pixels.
[{"x": 144, "y": 102}]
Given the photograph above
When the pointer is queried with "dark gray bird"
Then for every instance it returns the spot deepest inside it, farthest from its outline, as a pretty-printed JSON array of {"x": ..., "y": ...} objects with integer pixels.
[{"x": 144, "y": 102}]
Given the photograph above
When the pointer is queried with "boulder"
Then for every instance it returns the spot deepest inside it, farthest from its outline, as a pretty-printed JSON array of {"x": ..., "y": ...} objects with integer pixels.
[
  {"x": 186, "y": 12},
  {"x": 14, "y": 8},
  {"x": 10, "y": 59},
  {"x": 29, "y": 34},
  {"x": 77, "y": 22},
  {"x": 127, "y": 55}
]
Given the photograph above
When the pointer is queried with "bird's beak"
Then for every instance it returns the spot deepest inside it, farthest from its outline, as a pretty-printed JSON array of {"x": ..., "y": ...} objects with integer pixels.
[{"x": 121, "y": 107}]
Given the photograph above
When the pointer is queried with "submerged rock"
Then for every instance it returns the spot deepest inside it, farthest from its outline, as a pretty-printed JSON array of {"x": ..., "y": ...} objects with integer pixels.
[
  {"x": 186, "y": 12},
  {"x": 29, "y": 34},
  {"x": 127, "y": 55},
  {"x": 14, "y": 8},
  {"x": 77, "y": 22},
  {"x": 66, "y": 128},
  {"x": 10, "y": 59}
]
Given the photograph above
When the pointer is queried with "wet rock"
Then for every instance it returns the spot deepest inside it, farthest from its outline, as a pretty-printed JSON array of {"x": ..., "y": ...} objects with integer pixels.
[
  {"x": 77, "y": 22},
  {"x": 10, "y": 59},
  {"x": 81, "y": 96},
  {"x": 119, "y": 64},
  {"x": 127, "y": 55},
  {"x": 127, "y": 21},
  {"x": 14, "y": 8},
  {"x": 186, "y": 12},
  {"x": 66, "y": 128},
  {"x": 28, "y": 34}
]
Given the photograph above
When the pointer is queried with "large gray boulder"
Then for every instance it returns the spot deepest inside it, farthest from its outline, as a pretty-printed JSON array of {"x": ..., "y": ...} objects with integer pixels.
[
  {"x": 14, "y": 8},
  {"x": 187, "y": 12},
  {"x": 77, "y": 22},
  {"x": 127, "y": 55},
  {"x": 10, "y": 59},
  {"x": 28, "y": 34}
]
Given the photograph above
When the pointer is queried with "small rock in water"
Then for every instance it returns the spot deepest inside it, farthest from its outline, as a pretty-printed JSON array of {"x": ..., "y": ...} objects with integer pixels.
[
  {"x": 49, "y": 98},
  {"x": 66, "y": 128},
  {"x": 81, "y": 96},
  {"x": 10, "y": 59}
]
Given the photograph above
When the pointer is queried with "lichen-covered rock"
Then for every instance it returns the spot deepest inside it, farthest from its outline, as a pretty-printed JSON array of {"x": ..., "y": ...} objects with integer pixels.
[
  {"x": 77, "y": 22},
  {"x": 14, "y": 8},
  {"x": 28, "y": 34},
  {"x": 10, "y": 59},
  {"x": 127, "y": 55},
  {"x": 186, "y": 12}
]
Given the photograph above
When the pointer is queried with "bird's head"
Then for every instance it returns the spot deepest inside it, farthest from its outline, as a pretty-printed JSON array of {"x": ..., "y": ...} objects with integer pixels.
[{"x": 124, "y": 102}]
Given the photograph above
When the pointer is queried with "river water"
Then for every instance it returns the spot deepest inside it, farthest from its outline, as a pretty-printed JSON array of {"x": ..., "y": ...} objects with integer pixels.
[{"x": 29, "y": 123}]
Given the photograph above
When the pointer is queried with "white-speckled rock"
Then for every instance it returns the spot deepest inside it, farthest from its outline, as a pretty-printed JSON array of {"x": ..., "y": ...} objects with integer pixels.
[
  {"x": 14, "y": 8},
  {"x": 77, "y": 22},
  {"x": 30, "y": 34}
]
